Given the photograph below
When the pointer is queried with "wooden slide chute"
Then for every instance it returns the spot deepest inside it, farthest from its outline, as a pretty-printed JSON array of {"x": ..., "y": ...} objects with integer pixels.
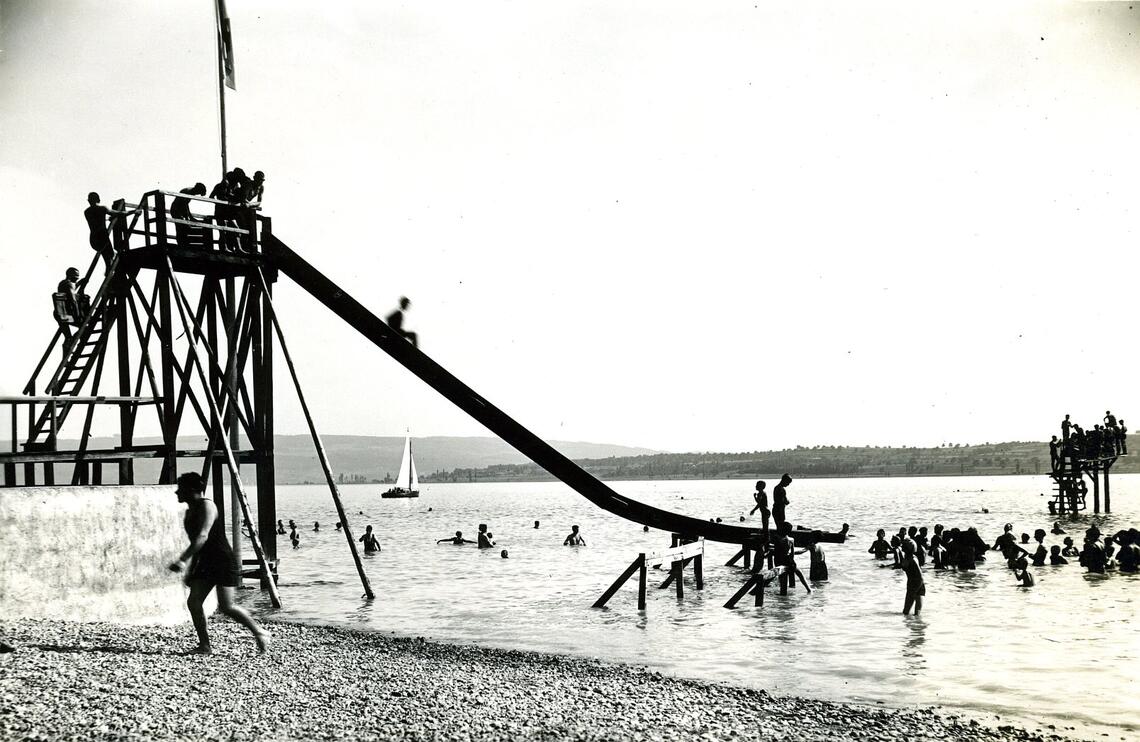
[{"x": 497, "y": 421}]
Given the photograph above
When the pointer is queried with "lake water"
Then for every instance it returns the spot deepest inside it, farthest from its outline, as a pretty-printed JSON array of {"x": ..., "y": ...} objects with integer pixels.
[{"x": 1063, "y": 652}]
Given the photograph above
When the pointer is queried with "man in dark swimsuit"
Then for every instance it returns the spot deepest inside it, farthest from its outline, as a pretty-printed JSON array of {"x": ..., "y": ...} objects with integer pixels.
[
  {"x": 395, "y": 320},
  {"x": 96, "y": 215},
  {"x": 780, "y": 500},
  {"x": 1065, "y": 425},
  {"x": 371, "y": 544},
  {"x": 209, "y": 564},
  {"x": 1054, "y": 454},
  {"x": 1122, "y": 438},
  {"x": 69, "y": 287}
]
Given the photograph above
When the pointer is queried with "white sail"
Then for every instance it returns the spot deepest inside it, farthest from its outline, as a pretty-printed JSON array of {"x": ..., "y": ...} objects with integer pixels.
[
  {"x": 407, "y": 468},
  {"x": 415, "y": 483}
]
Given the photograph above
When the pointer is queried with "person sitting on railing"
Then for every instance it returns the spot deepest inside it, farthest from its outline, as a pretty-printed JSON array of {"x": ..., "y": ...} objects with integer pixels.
[
  {"x": 188, "y": 236},
  {"x": 96, "y": 215}
]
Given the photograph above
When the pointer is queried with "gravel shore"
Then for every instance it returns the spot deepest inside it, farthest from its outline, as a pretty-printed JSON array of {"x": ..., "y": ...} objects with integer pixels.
[{"x": 100, "y": 681}]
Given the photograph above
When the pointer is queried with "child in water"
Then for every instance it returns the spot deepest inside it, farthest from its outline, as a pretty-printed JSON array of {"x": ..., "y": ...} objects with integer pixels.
[
  {"x": 817, "y": 572},
  {"x": 915, "y": 585},
  {"x": 371, "y": 544},
  {"x": 1040, "y": 553},
  {"x": 1055, "y": 558},
  {"x": 1070, "y": 550},
  {"x": 485, "y": 540},
  {"x": 880, "y": 548},
  {"x": 1022, "y": 573}
]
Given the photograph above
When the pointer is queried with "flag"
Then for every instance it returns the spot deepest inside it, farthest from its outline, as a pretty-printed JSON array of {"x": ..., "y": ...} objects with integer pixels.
[{"x": 225, "y": 45}]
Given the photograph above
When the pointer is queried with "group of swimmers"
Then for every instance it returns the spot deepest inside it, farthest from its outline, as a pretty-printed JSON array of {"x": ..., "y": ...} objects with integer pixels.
[{"x": 963, "y": 549}]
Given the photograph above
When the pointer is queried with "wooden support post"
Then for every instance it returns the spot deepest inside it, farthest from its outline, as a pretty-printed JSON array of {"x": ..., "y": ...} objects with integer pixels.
[
  {"x": 10, "y": 469},
  {"x": 162, "y": 279},
  {"x": 272, "y": 316},
  {"x": 1107, "y": 492},
  {"x": 123, "y": 349},
  {"x": 261, "y": 332},
  {"x": 49, "y": 467},
  {"x": 231, "y": 419},
  {"x": 195, "y": 333},
  {"x": 217, "y": 466},
  {"x": 699, "y": 571},
  {"x": 638, "y": 563},
  {"x": 741, "y": 592},
  {"x": 737, "y": 557},
  {"x": 1096, "y": 487},
  {"x": 679, "y": 577},
  {"x": 30, "y": 468},
  {"x": 642, "y": 577}
]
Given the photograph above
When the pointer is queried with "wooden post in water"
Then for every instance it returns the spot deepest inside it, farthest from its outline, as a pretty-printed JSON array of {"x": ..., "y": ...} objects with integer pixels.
[
  {"x": 272, "y": 316},
  {"x": 1107, "y": 493},
  {"x": 1096, "y": 487}
]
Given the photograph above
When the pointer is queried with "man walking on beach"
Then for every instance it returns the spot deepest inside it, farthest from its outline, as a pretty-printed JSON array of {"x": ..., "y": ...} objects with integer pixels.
[
  {"x": 209, "y": 564},
  {"x": 780, "y": 501}
]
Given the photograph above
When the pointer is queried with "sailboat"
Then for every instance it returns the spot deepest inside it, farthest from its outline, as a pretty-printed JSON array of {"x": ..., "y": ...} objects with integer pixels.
[{"x": 408, "y": 481}]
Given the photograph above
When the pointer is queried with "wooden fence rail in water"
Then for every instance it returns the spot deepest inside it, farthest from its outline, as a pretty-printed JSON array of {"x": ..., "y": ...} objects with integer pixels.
[{"x": 682, "y": 552}]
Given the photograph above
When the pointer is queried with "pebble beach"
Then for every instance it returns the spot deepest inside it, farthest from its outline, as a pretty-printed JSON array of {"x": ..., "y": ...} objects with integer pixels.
[{"x": 94, "y": 681}]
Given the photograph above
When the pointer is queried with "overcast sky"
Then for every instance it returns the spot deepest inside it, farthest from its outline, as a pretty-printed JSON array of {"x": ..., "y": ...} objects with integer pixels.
[{"x": 687, "y": 226}]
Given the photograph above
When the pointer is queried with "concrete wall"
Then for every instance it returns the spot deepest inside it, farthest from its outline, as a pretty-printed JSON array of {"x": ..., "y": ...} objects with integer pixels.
[{"x": 91, "y": 554}]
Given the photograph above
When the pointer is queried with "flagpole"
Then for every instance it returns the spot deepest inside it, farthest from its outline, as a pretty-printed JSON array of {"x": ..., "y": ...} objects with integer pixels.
[{"x": 221, "y": 82}]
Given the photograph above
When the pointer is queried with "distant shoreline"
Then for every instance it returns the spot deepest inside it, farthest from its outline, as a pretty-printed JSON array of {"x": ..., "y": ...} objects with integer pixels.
[{"x": 740, "y": 477}]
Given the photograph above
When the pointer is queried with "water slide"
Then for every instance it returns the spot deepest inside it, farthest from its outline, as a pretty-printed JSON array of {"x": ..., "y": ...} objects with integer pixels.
[{"x": 497, "y": 421}]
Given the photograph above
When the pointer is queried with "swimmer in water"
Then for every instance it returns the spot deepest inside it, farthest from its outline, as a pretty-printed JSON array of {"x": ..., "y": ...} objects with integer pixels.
[
  {"x": 1023, "y": 574},
  {"x": 1070, "y": 550},
  {"x": 1041, "y": 552},
  {"x": 880, "y": 548},
  {"x": 371, "y": 544},
  {"x": 1057, "y": 530},
  {"x": 503, "y": 554},
  {"x": 457, "y": 539},
  {"x": 575, "y": 538},
  {"x": 339, "y": 525},
  {"x": 536, "y": 524},
  {"x": 295, "y": 538},
  {"x": 485, "y": 540},
  {"x": 280, "y": 528},
  {"x": 1055, "y": 558},
  {"x": 316, "y": 527}
]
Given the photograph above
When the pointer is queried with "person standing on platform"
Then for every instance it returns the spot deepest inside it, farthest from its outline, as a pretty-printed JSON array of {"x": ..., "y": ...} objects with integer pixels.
[
  {"x": 395, "y": 320},
  {"x": 209, "y": 564},
  {"x": 1122, "y": 439},
  {"x": 180, "y": 209},
  {"x": 761, "y": 498},
  {"x": 96, "y": 215},
  {"x": 1065, "y": 425},
  {"x": 1054, "y": 454},
  {"x": 780, "y": 501}
]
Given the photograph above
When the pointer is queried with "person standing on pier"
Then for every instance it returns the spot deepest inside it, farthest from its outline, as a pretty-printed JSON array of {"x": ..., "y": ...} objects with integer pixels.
[
  {"x": 209, "y": 564},
  {"x": 1065, "y": 425},
  {"x": 780, "y": 501},
  {"x": 1122, "y": 439},
  {"x": 761, "y": 498},
  {"x": 1054, "y": 454}
]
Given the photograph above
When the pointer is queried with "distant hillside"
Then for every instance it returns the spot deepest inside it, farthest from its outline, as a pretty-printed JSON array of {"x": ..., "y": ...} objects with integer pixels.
[
  {"x": 819, "y": 461},
  {"x": 372, "y": 458}
]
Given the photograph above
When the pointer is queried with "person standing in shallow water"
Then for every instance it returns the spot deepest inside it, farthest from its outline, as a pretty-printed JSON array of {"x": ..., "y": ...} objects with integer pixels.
[
  {"x": 208, "y": 563},
  {"x": 371, "y": 544},
  {"x": 575, "y": 538},
  {"x": 915, "y": 585},
  {"x": 484, "y": 537}
]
